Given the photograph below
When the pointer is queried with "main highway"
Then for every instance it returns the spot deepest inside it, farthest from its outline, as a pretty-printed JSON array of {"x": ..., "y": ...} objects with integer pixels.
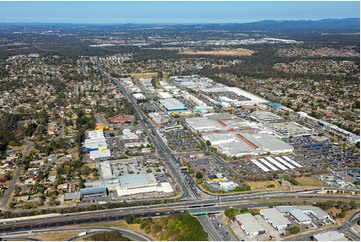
[{"x": 192, "y": 206}]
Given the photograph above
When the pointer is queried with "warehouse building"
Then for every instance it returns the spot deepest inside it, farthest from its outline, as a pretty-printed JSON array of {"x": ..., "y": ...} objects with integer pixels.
[
  {"x": 164, "y": 187},
  {"x": 137, "y": 180},
  {"x": 254, "y": 144},
  {"x": 329, "y": 236},
  {"x": 299, "y": 216},
  {"x": 203, "y": 124},
  {"x": 275, "y": 218},
  {"x": 93, "y": 192},
  {"x": 318, "y": 213},
  {"x": 250, "y": 225},
  {"x": 96, "y": 141},
  {"x": 164, "y": 95},
  {"x": 95, "y": 134},
  {"x": 172, "y": 105},
  {"x": 97, "y": 155},
  {"x": 129, "y": 135}
]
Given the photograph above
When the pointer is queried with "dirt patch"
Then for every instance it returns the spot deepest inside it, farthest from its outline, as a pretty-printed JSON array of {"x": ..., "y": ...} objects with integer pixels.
[
  {"x": 334, "y": 211},
  {"x": 263, "y": 185},
  {"x": 309, "y": 181},
  {"x": 74, "y": 152},
  {"x": 226, "y": 52},
  {"x": 144, "y": 75}
]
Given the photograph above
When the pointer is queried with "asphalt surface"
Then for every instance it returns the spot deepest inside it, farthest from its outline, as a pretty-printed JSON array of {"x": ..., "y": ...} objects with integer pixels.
[
  {"x": 213, "y": 234},
  {"x": 22, "y": 224}
]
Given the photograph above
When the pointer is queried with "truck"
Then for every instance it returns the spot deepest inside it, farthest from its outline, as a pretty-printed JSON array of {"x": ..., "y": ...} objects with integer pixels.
[{"x": 82, "y": 233}]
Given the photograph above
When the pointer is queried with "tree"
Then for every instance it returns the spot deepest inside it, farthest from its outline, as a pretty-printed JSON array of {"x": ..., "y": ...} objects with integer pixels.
[
  {"x": 295, "y": 230},
  {"x": 81, "y": 183},
  {"x": 231, "y": 213},
  {"x": 129, "y": 219},
  {"x": 199, "y": 175}
]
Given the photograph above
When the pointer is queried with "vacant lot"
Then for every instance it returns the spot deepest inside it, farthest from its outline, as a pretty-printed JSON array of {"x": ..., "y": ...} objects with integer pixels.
[
  {"x": 227, "y": 52},
  {"x": 309, "y": 181},
  {"x": 144, "y": 75},
  {"x": 263, "y": 185}
]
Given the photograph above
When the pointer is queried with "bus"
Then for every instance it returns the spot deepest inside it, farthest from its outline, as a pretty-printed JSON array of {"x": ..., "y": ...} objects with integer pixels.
[{"x": 201, "y": 213}]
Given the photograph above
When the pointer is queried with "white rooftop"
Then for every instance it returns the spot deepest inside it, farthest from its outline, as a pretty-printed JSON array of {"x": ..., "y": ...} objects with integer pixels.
[
  {"x": 249, "y": 223},
  {"x": 330, "y": 236}
]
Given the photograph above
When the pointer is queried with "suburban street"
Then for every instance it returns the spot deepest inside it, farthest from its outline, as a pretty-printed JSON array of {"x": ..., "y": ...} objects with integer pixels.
[{"x": 16, "y": 177}]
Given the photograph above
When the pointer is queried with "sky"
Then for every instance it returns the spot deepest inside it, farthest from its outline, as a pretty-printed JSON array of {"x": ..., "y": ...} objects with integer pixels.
[{"x": 174, "y": 12}]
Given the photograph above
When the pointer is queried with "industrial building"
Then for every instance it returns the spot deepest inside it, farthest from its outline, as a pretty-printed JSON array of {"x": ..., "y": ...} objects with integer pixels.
[
  {"x": 250, "y": 99},
  {"x": 318, "y": 213},
  {"x": 250, "y": 225},
  {"x": 203, "y": 124},
  {"x": 129, "y": 135},
  {"x": 329, "y": 236},
  {"x": 96, "y": 141},
  {"x": 172, "y": 105},
  {"x": 254, "y": 144},
  {"x": 299, "y": 216},
  {"x": 137, "y": 180},
  {"x": 164, "y": 95},
  {"x": 93, "y": 192},
  {"x": 275, "y": 218},
  {"x": 97, "y": 155},
  {"x": 164, "y": 187}
]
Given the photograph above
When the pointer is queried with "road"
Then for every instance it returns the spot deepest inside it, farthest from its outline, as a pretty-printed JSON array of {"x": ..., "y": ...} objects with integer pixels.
[
  {"x": 21, "y": 224},
  {"x": 90, "y": 230},
  {"x": 16, "y": 177},
  {"x": 208, "y": 226}
]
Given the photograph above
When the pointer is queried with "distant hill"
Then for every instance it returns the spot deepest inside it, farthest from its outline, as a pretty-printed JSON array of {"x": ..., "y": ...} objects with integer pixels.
[{"x": 323, "y": 24}]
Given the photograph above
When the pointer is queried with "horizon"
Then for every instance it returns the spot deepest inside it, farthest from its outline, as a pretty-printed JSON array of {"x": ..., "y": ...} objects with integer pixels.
[
  {"x": 130, "y": 23},
  {"x": 138, "y": 12}
]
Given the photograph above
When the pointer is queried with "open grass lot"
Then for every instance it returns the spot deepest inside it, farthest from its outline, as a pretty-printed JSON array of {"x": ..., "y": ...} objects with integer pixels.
[
  {"x": 144, "y": 75},
  {"x": 309, "y": 181},
  {"x": 120, "y": 224},
  {"x": 55, "y": 236},
  {"x": 226, "y": 52},
  {"x": 263, "y": 184},
  {"x": 74, "y": 152}
]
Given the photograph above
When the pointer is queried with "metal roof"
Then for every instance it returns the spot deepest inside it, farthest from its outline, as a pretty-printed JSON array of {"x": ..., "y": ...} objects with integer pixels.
[
  {"x": 330, "y": 236},
  {"x": 299, "y": 215},
  {"x": 249, "y": 223},
  {"x": 92, "y": 190},
  {"x": 275, "y": 217}
]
